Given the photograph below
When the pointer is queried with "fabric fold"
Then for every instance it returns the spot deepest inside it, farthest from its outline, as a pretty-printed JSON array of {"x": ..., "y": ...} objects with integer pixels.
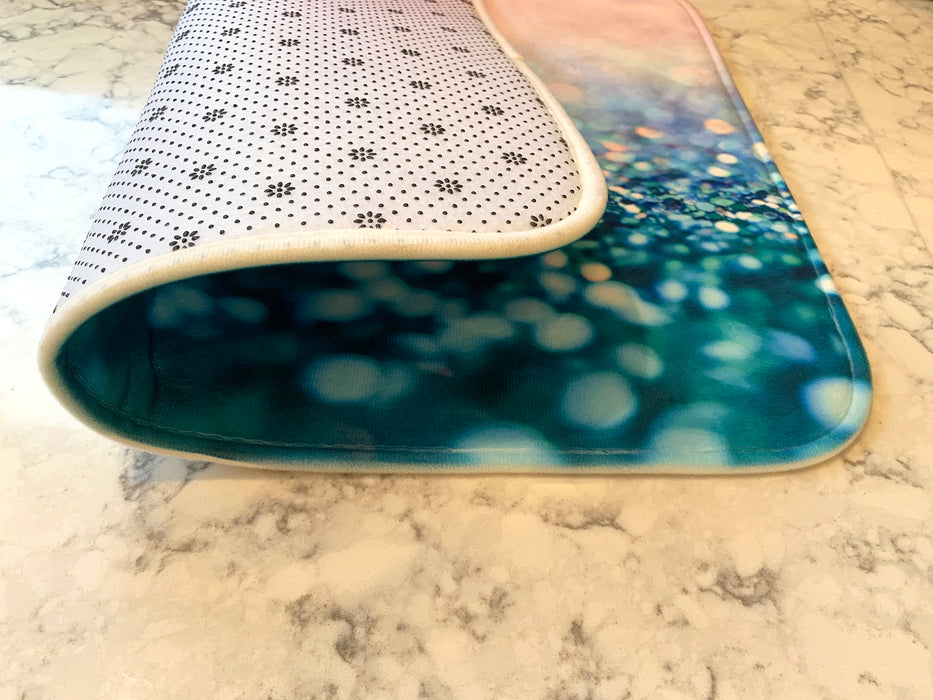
[{"x": 361, "y": 235}]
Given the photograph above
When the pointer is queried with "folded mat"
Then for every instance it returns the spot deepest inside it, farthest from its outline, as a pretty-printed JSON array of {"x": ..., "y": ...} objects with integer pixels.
[{"x": 395, "y": 142}]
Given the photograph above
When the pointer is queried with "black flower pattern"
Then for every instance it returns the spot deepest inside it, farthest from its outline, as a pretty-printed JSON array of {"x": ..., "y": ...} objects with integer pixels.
[
  {"x": 193, "y": 7},
  {"x": 448, "y": 186},
  {"x": 185, "y": 239},
  {"x": 280, "y": 189},
  {"x": 410, "y": 179},
  {"x": 119, "y": 232},
  {"x": 202, "y": 171},
  {"x": 141, "y": 166},
  {"x": 369, "y": 219},
  {"x": 361, "y": 154}
]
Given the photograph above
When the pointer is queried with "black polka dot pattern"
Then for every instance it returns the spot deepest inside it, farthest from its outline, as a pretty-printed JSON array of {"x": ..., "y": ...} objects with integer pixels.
[{"x": 323, "y": 115}]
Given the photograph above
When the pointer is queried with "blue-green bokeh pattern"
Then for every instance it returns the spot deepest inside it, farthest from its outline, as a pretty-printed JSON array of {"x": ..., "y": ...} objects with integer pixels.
[{"x": 695, "y": 327}]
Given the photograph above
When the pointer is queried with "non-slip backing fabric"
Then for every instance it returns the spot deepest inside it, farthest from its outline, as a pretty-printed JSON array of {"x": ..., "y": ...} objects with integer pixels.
[
  {"x": 325, "y": 121},
  {"x": 695, "y": 329}
]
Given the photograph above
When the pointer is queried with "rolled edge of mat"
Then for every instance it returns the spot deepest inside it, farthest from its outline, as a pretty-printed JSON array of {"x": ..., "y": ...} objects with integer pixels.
[{"x": 275, "y": 246}]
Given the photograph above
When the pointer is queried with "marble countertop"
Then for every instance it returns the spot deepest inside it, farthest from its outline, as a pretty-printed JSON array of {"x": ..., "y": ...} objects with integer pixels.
[{"x": 124, "y": 575}]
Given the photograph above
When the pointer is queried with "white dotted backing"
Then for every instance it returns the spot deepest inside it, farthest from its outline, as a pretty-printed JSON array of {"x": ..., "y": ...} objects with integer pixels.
[{"x": 319, "y": 115}]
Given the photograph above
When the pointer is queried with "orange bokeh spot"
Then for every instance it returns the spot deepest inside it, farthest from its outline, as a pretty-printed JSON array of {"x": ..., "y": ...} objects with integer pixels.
[
  {"x": 648, "y": 133},
  {"x": 719, "y": 126},
  {"x": 595, "y": 272}
]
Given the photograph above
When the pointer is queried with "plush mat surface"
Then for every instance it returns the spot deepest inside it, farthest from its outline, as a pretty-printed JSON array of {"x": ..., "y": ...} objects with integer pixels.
[{"x": 695, "y": 328}]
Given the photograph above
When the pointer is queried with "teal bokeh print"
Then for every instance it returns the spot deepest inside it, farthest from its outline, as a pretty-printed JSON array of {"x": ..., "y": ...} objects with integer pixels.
[{"x": 694, "y": 328}]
